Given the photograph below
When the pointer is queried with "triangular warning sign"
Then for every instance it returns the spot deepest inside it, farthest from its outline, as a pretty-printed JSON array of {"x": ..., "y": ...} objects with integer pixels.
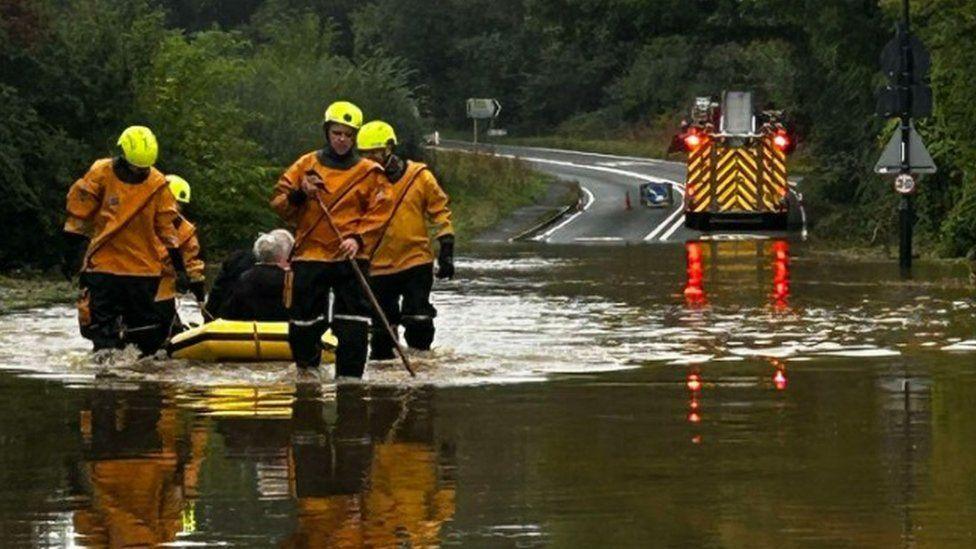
[{"x": 918, "y": 156}]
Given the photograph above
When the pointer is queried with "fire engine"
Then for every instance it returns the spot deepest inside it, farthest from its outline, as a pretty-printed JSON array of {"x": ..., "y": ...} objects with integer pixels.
[{"x": 736, "y": 164}]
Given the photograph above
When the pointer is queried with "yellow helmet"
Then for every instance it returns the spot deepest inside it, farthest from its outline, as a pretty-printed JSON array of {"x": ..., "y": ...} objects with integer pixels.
[
  {"x": 139, "y": 146},
  {"x": 375, "y": 135},
  {"x": 344, "y": 112},
  {"x": 179, "y": 187}
]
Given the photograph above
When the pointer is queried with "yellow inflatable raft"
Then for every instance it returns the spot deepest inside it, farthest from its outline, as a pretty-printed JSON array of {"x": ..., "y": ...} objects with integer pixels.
[{"x": 241, "y": 341}]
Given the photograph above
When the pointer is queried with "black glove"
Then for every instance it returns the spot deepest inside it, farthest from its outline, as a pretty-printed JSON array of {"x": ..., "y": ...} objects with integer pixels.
[
  {"x": 198, "y": 290},
  {"x": 445, "y": 259},
  {"x": 72, "y": 253},
  {"x": 297, "y": 197},
  {"x": 179, "y": 267},
  {"x": 182, "y": 282}
]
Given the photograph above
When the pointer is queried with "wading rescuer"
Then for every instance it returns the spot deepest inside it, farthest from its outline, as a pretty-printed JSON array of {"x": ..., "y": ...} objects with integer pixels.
[
  {"x": 116, "y": 214},
  {"x": 326, "y": 194},
  {"x": 192, "y": 279},
  {"x": 402, "y": 263}
]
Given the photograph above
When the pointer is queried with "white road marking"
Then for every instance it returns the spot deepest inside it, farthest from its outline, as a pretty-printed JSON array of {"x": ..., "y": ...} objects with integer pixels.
[
  {"x": 678, "y": 211},
  {"x": 734, "y": 236},
  {"x": 598, "y": 239},
  {"x": 625, "y": 163},
  {"x": 631, "y": 160},
  {"x": 677, "y": 225},
  {"x": 598, "y": 155},
  {"x": 647, "y": 178},
  {"x": 544, "y": 237}
]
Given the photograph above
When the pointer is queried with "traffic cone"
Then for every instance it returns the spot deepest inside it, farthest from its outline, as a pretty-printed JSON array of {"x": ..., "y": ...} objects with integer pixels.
[{"x": 627, "y": 201}]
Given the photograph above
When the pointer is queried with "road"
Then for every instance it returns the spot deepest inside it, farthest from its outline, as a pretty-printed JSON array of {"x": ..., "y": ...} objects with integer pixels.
[{"x": 606, "y": 181}]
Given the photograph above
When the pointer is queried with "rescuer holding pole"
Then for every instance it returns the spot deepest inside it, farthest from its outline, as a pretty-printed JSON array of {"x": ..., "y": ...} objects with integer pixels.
[
  {"x": 401, "y": 262},
  {"x": 326, "y": 195}
]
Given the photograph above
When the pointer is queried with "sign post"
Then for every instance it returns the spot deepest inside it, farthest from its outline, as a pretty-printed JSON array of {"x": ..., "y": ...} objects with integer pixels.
[
  {"x": 906, "y": 62},
  {"x": 482, "y": 109}
]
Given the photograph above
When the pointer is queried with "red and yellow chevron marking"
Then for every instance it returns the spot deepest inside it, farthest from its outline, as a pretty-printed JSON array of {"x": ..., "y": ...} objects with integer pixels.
[
  {"x": 736, "y": 180},
  {"x": 773, "y": 175},
  {"x": 699, "y": 176}
]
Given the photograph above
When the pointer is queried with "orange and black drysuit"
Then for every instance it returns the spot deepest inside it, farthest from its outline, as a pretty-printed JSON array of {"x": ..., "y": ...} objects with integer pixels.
[
  {"x": 189, "y": 246},
  {"x": 123, "y": 214},
  {"x": 346, "y": 188},
  {"x": 402, "y": 263}
]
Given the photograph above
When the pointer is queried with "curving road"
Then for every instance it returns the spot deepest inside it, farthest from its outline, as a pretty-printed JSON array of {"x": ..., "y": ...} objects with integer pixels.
[{"x": 606, "y": 180}]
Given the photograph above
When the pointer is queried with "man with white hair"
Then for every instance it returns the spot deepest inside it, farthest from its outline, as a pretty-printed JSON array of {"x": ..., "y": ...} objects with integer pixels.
[{"x": 259, "y": 293}]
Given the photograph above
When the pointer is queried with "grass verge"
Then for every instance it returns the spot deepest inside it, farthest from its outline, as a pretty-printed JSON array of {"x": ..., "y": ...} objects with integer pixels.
[
  {"x": 27, "y": 289},
  {"x": 484, "y": 188}
]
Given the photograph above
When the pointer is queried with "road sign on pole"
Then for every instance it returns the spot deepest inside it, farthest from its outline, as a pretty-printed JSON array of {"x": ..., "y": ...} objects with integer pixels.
[
  {"x": 892, "y": 159},
  {"x": 482, "y": 109},
  {"x": 906, "y": 62}
]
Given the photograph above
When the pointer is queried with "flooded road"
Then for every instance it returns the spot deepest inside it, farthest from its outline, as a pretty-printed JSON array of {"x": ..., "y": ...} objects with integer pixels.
[{"x": 712, "y": 394}]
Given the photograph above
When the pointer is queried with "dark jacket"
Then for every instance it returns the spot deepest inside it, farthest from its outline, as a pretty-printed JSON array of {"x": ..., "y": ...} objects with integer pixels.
[
  {"x": 230, "y": 274},
  {"x": 258, "y": 295}
]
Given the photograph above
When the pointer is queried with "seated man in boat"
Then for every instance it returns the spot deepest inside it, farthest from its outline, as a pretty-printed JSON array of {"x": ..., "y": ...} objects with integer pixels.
[
  {"x": 402, "y": 262},
  {"x": 259, "y": 293},
  {"x": 193, "y": 279},
  {"x": 230, "y": 273},
  {"x": 116, "y": 213}
]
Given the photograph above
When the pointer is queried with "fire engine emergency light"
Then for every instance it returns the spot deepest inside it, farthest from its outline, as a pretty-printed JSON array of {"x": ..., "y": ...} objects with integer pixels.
[{"x": 781, "y": 140}]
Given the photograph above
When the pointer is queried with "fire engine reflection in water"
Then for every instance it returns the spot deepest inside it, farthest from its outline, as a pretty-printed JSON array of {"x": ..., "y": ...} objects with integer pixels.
[{"x": 737, "y": 264}]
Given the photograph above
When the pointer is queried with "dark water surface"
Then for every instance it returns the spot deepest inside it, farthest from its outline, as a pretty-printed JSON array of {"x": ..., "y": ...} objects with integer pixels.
[{"x": 577, "y": 397}]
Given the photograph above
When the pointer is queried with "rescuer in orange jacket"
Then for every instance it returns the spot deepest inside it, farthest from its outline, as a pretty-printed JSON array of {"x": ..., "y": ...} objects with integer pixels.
[
  {"x": 331, "y": 186},
  {"x": 401, "y": 261},
  {"x": 117, "y": 212},
  {"x": 192, "y": 280}
]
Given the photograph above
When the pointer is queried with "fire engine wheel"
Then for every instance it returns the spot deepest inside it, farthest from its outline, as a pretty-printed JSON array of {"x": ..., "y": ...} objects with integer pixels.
[{"x": 698, "y": 221}]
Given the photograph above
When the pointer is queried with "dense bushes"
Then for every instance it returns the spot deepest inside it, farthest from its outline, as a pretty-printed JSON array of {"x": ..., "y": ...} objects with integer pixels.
[{"x": 231, "y": 108}]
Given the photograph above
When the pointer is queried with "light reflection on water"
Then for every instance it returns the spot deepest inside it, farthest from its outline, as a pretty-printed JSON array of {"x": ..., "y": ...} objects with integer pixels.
[{"x": 829, "y": 407}]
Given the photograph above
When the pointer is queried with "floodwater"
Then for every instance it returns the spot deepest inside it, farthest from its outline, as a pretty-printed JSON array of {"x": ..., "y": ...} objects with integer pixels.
[{"x": 717, "y": 394}]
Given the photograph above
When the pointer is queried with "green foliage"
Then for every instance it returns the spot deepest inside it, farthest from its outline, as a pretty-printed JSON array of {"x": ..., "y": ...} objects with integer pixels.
[
  {"x": 231, "y": 108},
  {"x": 61, "y": 99},
  {"x": 948, "y": 27},
  {"x": 236, "y": 90},
  {"x": 657, "y": 81},
  {"x": 188, "y": 96}
]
